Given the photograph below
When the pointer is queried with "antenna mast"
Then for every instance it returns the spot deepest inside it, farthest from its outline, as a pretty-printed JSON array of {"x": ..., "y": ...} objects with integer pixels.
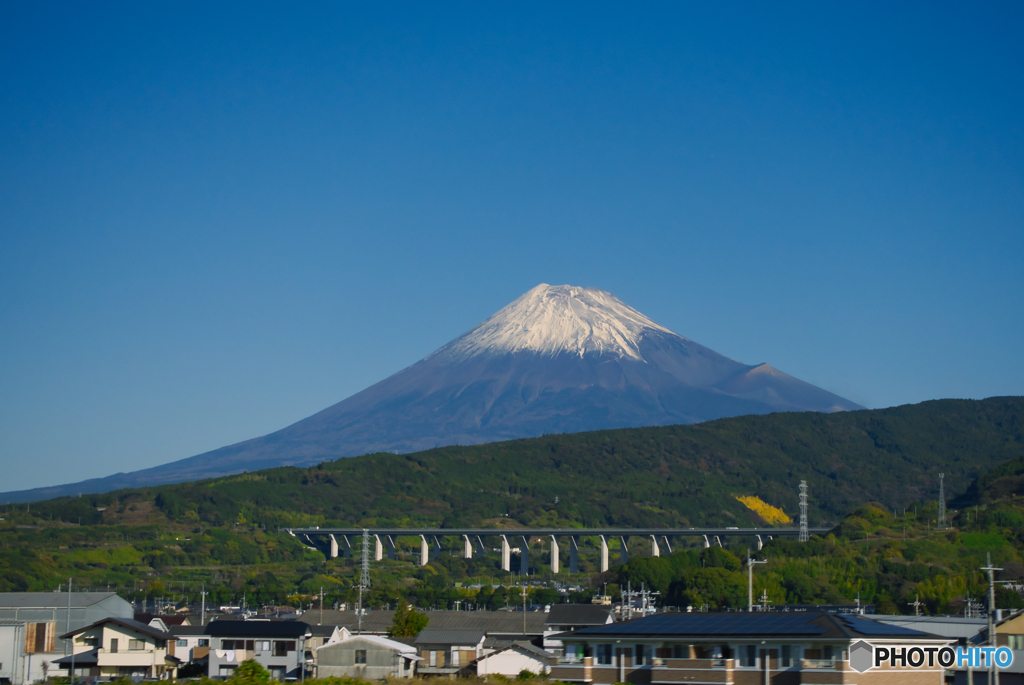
[
  {"x": 942, "y": 504},
  {"x": 804, "y": 537}
]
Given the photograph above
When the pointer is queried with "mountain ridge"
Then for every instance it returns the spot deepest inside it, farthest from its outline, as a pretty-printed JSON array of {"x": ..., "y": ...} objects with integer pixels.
[{"x": 558, "y": 359}]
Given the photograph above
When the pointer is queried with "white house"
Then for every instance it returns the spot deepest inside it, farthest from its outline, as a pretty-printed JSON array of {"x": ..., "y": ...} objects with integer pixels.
[
  {"x": 513, "y": 660},
  {"x": 119, "y": 647}
]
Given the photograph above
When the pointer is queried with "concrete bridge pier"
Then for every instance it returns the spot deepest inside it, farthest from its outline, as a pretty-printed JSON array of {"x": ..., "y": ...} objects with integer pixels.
[
  {"x": 378, "y": 548},
  {"x": 481, "y": 551},
  {"x": 334, "y": 547},
  {"x": 760, "y": 544},
  {"x": 391, "y": 547},
  {"x": 506, "y": 554},
  {"x": 604, "y": 553},
  {"x": 554, "y": 554},
  {"x": 624, "y": 551},
  {"x": 706, "y": 542},
  {"x": 524, "y": 557},
  {"x": 346, "y": 547},
  {"x": 424, "y": 551},
  {"x": 655, "y": 552},
  {"x": 668, "y": 545},
  {"x": 574, "y": 555},
  {"x": 718, "y": 541},
  {"x": 467, "y": 547}
]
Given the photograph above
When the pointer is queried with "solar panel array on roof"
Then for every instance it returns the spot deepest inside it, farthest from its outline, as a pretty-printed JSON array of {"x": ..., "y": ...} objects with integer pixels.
[
  {"x": 715, "y": 624},
  {"x": 866, "y": 626}
]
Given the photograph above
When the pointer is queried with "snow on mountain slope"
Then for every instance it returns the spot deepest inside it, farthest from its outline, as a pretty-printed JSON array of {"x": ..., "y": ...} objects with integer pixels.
[{"x": 559, "y": 319}]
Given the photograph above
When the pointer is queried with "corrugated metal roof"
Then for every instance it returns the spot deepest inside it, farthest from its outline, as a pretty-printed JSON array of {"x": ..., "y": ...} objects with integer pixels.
[{"x": 51, "y": 600}]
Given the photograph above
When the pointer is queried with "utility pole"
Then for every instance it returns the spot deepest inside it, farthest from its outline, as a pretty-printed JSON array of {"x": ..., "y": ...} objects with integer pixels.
[
  {"x": 524, "y": 609},
  {"x": 321, "y": 605},
  {"x": 750, "y": 579},
  {"x": 942, "y": 504},
  {"x": 916, "y": 604},
  {"x": 991, "y": 612},
  {"x": 202, "y": 615},
  {"x": 804, "y": 536},
  {"x": 71, "y": 673}
]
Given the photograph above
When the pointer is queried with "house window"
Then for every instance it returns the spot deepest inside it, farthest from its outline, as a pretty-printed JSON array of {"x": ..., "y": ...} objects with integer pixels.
[
  {"x": 136, "y": 645},
  {"x": 786, "y": 658},
  {"x": 277, "y": 673},
  {"x": 360, "y": 657},
  {"x": 1015, "y": 641},
  {"x": 826, "y": 652},
  {"x": 113, "y": 646},
  {"x": 680, "y": 651},
  {"x": 282, "y": 647},
  {"x": 749, "y": 659},
  {"x": 455, "y": 656},
  {"x": 641, "y": 655},
  {"x": 181, "y": 643},
  {"x": 262, "y": 646},
  {"x": 604, "y": 655},
  {"x": 203, "y": 642},
  {"x": 433, "y": 658},
  {"x": 227, "y": 670}
]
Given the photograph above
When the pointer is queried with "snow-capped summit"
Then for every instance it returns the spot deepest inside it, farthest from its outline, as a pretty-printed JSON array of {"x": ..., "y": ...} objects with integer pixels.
[
  {"x": 560, "y": 359},
  {"x": 559, "y": 319}
]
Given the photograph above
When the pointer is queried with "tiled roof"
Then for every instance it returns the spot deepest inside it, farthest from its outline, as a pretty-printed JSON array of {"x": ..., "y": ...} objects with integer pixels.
[
  {"x": 430, "y": 636},
  {"x": 490, "y": 622},
  {"x": 143, "y": 628}
]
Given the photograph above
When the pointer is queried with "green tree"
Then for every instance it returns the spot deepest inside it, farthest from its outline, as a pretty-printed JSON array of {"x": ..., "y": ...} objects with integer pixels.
[
  {"x": 250, "y": 673},
  {"x": 407, "y": 621}
]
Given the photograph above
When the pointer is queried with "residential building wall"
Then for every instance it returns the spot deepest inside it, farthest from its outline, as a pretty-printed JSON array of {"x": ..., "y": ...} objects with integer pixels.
[
  {"x": 655, "y": 663},
  {"x": 510, "y": 663},
  {"x": 279, "y": 656}
]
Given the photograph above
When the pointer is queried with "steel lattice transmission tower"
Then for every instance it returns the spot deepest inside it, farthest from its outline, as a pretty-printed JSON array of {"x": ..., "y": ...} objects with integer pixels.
[
  {"x": 804, "y": 536},
  {"x": 942, "y": 504},
  {"x": 364, "y": 577}
]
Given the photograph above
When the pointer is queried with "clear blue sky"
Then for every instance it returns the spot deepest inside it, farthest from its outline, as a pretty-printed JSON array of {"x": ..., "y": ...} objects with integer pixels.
[{"x": 217, "y": 219}]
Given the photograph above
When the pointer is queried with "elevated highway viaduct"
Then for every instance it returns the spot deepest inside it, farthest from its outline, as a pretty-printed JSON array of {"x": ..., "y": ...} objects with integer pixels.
[{"x": 335, "y": 541}]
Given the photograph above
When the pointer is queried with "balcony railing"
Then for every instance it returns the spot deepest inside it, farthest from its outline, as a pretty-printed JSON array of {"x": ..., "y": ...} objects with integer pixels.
[{"x": 818, "y": 663}]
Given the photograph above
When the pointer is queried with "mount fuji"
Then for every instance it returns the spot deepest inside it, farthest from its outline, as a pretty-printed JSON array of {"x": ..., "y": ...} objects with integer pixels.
[{"x": 559, "y": 359}]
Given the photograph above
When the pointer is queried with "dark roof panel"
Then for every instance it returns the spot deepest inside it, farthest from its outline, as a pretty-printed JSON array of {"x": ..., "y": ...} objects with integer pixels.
[
  {"x": 865, "y": 626},
  {"x": 293, "y": 629},
  {"x": 706, "y": 624},
  {"x": 578, "y": 615}
]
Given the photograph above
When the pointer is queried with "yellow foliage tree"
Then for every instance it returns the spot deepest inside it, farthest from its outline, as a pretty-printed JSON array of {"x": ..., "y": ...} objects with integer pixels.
[{"x": 766, "y": 511}]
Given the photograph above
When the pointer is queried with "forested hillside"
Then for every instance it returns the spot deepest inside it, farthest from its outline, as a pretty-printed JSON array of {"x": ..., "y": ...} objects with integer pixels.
[{"x": 223, "y": 532}]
